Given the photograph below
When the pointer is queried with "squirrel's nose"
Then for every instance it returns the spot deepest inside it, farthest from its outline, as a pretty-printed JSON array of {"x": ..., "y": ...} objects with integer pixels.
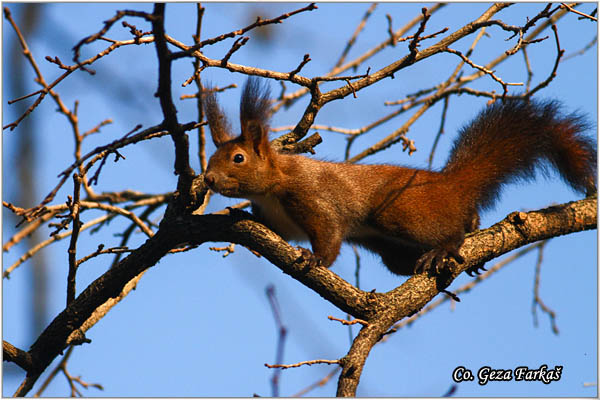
[{"x": 209, "y": 179}]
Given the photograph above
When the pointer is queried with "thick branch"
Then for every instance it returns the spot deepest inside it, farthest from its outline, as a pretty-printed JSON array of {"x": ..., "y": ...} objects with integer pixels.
[
  {"x": 516, "y": 230},
  {"x": 13, "y": 354}
]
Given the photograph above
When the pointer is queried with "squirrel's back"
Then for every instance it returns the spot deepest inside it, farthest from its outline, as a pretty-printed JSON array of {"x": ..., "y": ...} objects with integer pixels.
[{"x": 413, "y": 218}]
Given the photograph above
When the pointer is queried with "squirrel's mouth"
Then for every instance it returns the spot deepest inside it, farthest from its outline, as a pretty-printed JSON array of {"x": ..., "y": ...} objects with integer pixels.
[{"x": 226, "y": 190}]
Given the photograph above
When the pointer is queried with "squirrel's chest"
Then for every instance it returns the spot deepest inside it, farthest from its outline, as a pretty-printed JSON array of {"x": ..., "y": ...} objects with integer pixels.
[{"x": 277, "y": 218}]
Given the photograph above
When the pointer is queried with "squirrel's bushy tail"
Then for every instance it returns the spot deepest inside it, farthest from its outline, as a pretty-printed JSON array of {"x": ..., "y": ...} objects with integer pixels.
[{"x": 508, "y": 140}]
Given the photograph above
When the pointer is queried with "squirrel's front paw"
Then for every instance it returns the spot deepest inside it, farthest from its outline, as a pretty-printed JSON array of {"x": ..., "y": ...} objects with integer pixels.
[{"x": 305, "y": 254}]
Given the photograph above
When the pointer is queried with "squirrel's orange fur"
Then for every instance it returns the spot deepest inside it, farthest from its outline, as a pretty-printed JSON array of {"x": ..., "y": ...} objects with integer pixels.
[{"x": 412, "y": 218}]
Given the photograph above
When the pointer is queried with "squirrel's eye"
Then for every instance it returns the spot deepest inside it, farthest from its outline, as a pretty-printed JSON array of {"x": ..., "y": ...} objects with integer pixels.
[{"x": 238, "y": 158}]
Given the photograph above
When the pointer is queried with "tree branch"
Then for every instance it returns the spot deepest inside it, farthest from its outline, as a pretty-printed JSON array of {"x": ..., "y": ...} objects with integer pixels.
[
  {"x": 11, "y": 353},
  {"x": 380, "y": 310},
  {"x": 182, "y": 162}
]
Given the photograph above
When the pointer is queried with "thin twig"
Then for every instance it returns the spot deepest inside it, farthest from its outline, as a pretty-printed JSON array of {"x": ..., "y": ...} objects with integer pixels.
[
  {"x": 311, "y": 362},
  {"x": 239, "y": 42},
  {"x": 107, "y": 25},
  {"x": 345, "y": 322},
  {"x": 74, "y": 207},
  {"x": 259, "y": 22},
  {"x": 571, "y": 9},
  {"x": 281, "y": 335},
  {"x": 304, "y": 61},
  {"x": 320, "y": 382},
  {"x": 357, "y": 32},
  {"x": 559, "y": 53},
  {"x": 537, "y": 300}
]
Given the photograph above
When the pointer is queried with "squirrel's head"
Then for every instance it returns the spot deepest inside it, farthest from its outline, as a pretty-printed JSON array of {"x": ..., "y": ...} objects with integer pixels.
[{"x": 242, "y": 166}]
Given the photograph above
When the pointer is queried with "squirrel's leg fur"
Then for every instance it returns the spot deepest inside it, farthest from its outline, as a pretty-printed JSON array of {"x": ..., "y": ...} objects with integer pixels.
[
  {"x": 435, "y": 229},
  {"x": 324, "y": 234},
  {"x": 399, "y": 259}
]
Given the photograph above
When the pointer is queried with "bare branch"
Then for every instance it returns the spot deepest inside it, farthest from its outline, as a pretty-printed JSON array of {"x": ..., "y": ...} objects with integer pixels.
[
  {"x": 537, "y": 300},
  {"x": 22, "y": 358},
  {"x": 344, "y": 322},
  {"x": 259, "y": 22},
  {"x": 404, "y": 300},
  {"x": 235, "y": 47},
  {"x": 571, "y": 9},
  {"x": 304, "y": 61},
  {"x": 311, "y": 362},
  {"x": 357, "y": 32},
  {"x": 107, "y": 25},
  {"x": 74, "y": 206}
]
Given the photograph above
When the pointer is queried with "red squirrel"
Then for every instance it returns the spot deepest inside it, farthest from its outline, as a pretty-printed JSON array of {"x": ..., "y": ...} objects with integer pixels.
[{"x": 414, "y": 219}]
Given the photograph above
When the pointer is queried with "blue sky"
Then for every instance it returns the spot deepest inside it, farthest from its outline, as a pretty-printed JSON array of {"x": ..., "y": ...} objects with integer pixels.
[{"x": 200, "y": 325}]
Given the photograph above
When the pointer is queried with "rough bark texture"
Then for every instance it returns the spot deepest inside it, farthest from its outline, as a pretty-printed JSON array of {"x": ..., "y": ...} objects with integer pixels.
[{"x": 381, "y": 310}]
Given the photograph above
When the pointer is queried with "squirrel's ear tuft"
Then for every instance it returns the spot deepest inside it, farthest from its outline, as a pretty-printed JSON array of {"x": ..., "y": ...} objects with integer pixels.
[
  {"x": 255, "y": 108},
  {"x": 218, "y": 123},
  {"x": 255, "y": 104}
]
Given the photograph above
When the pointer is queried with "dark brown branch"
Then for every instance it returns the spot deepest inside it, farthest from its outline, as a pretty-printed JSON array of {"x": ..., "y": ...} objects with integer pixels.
[
  {"x": 341, "y": 78},
  {"x": 102, "y": 250},
  {"x": 239, "y": 42},
  {"x": 439, "y": 133},
  {"x": 22, "y": 358},
  {"x": 129, "y": 231},
  {"x": 559, "y": 53},
  {"x": 180, "y": 139},
  {"x": 484, "y": 70},
  {"x": 353, "y": 363},
  {"x": 318, "y": 99},
  {"x": 304, "y": 61},
  {"x": 137, "y": 34},
  {"x": 412, "y": 46},
  {"x": 94, "y": 179},
  {"x": 305, "y": 146},
  {"x": 390, "y": 30},
  {"x": 516, "y": 230},
  {"x": 463, "y": 289},
  {"x": 201, "y": 134},
  {"x": 74, "y": 207}
]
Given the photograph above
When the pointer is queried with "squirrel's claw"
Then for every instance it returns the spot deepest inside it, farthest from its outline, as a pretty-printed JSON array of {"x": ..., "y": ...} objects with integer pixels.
[
  {"x": 305, "y": 254},
  {"x": 432, "y": 261},
  {"x": 476, "y": 269},
  {"x": 435, "y": 261}
]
